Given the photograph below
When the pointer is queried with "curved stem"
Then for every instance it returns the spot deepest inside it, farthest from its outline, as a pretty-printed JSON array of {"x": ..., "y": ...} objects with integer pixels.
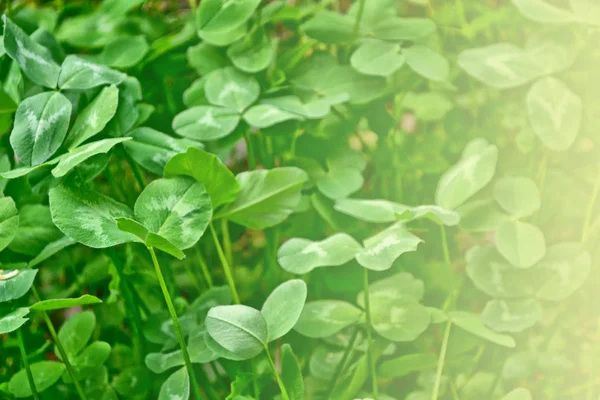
[
  {"x": 370, "y": 358},
  {"x": 441, "y": 361},
  {"x": 204, "y": 267},
  {"x": 61, "y": 349},
  {"x": 284, "y": 394},
  {"x": 226, "y": 240},
  {"x": 178, "y": 332},
  {"x": 226, "y": 267},
  {"x": 445, "y": 247},
  {"x": 340, "y": 366},
  {"x": 359, "y": 15},
  {"x": 34, "y": 392}
]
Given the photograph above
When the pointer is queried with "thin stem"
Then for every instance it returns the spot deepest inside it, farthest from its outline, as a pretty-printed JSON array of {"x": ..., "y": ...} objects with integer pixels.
[
  {"x": 590, "y": 209},
  {"x": 131, "y": 308},
  {"x": 284, "y": 394},
  {"x": 250, "y": 150},
  {"x": 340, "y": 366},
  {"x": 192, "y": 5},
  {"x": 445, "y": 247},
  {"x": 226, "y": 240},
  {"x": 34, "y": 392},
  {"x": 226, "y": 267},
  {"x": 204, "y": 267},
  {"x": 370, "y": 358},
  {"x": 179, "y": 333},
  {"x": 61, "y": 349},
  {"x": 441, "y": 361},
  {"x": 359, "y": 15}
]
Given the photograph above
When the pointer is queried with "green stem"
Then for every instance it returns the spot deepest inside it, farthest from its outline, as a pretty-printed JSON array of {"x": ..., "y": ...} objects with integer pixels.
[
  {"x": 61, "y": 349},
  {"x": 192, "y": 5},
  {"x": 226, "y": 267},
  {"x": 34, "y": 392},
  {"x": 226, "y": 240},
  {"x": 137, "y": 172},
  {"x": 359, "y": 15},
  {"x": 590, "y": 209},
  {"x": 204, "y": 267},
  {"x": 445, "y": 247},
  {"x": 284, "y": 394},
  {"x": 250, "y": 150},
  {"x": 370, "y": 358},
  {"x": 179, "y": 333},
  {"x": 130, "y": 307},
  {"x": 441, "y": 361},
  {"x": 340, "y": 366}
]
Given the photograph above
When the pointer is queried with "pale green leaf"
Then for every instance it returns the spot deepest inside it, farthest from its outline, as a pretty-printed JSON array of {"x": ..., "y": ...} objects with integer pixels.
[
  {"x": 519, "y": 196},
  {"x": 34, "y": 59},
  {"x": 56, "y": 304},
  {"x": 266, "y": 198},
  {"x": 207, "y": 169},
  {"x": 324, "y": 318},
  {"x": 177, "y": 386},
  {"x": 13, "y": 321},
  {"x": 555, "y": 113},
  {"x": 77, "y": 73},
  {"x": 378, "y": 58},
  {"x": 9, "y": 221},
  {"x": 230, "y": 88},
  {"x": 239, "y": 329},
  {"x": 94, "y": 117},
  {"x": 472, "y": 323},
  {"x": 178, "y": 209},
  {"x": 283, "y": 307},
  {"x": 16, "y": 284},
  {"x": 88, "y": 217},
  {"x": 521, "y": 243},
  {"x": 41, "y": 124},
  {"x": 80, "y": 154},
  {"x": 45, "y": 374},
  {"x": 300, "y": 256},
  {"x": 206, "y": 122},
  {"x": 472, "y": 173},
  {"x": 427, "y": 63},
  {"x": 511, "y": 316},
  {"x": 381, "y": 250}
]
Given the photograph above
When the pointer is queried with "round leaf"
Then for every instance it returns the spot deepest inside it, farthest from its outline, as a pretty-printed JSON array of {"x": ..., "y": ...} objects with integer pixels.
[
  {"x": 17, "y": 286},
  {"x": 239, "y": 329},
  {"x": 177, "y": 386},
  {"x": 397, "y": 317},
  {"x": 567, "y": 266},
  {"x": 266, "y": 198},
  {"x": 207, "y": 169},
  {"x": 380, "y": 251},
  {"x": 45, "y": 374},
  {"x": 324, "y": 318},
  {"x": 511, "y": 316},
  {"x": 178, "y": 209},
  {"x": 472, "y": 323},
  {"x": 519, "y": 196},
  {"x": 522, "y": 244},
  {"x": 76, "y": 332},
  {"x": 88, "y": 217},
  {"x": 300, "y": 256},
  {"x": 283, "y": 307},
  {"x": 232, "y": 89},
  {"x": 555, "y": 113},
  {"x": 501, "y": 65},
  {"x": 205, "y": 122},
  {"x": 427, "y": 63},
  {"x": 377, "y": 58},
  {"x": 472, "y": 173}
]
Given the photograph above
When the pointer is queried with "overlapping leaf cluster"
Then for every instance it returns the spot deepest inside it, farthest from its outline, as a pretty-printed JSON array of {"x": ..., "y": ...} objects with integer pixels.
[{"x": 247, "y": 200}]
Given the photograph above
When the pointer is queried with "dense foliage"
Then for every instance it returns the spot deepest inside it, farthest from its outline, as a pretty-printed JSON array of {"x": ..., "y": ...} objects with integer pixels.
[{"x": 319, "y": 200}]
